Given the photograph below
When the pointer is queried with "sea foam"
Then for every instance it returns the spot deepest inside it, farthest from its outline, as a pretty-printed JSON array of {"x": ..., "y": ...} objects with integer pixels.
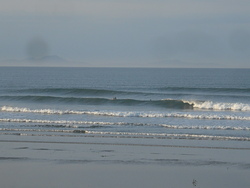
[
  {"x": 129, "y": 114},
  {"x": 210, "y": 105}
]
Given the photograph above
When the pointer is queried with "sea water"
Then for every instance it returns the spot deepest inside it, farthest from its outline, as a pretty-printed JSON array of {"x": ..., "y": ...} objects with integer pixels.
[{"x": 189, "y": 104}]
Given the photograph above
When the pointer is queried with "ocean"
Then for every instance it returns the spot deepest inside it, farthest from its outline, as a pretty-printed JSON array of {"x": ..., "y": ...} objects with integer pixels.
[{"x": 153, "y": 103}]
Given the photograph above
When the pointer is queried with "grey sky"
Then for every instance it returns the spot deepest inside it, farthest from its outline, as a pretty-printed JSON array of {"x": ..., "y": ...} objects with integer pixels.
[{"x": 124, "y": 33}]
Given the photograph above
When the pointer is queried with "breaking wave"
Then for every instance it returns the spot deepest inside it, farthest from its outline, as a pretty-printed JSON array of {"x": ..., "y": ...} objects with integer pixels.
[
  {"x": 164, "y": 103},
  {"x": 127, "y": 114},
  {"x": 210, "y": 105}
]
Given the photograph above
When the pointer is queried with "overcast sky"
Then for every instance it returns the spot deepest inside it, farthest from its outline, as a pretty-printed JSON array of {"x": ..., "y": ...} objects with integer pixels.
[{"x": 126, "y": 33}]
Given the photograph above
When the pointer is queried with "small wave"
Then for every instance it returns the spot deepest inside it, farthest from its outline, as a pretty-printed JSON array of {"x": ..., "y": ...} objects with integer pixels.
[
  {"x": 42, "y": 111},
  {"x": 207, "y": 90},
  {"x": 95, "y": 124},
  {"x": 102, "y": 124},
  {"x": 206, "y": 127},
  {"x": 69, "y": 124},
  {"x": 58, "y": 122},
  {"x": 43, "y": 130},
  {"x": 56, "y": 99},
  {"x": 127, "y": 114},
  {"x": 175, "y": 136},
  {"x": 75, "y": 91},
  {"x": 23, "y": 132}
]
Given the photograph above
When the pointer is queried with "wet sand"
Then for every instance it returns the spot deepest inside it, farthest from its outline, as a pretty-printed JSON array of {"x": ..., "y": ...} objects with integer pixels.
[{"x": 33, "y": 161}]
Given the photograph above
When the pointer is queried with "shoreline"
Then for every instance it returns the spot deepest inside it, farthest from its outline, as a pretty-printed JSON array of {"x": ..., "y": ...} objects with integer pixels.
[{"x": 125, "y": 144}]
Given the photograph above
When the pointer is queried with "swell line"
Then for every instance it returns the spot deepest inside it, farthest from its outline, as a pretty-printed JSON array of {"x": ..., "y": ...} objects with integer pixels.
[
  {"x": 166, "y": 103},
  {"x": 163, "y": 103},
  {"x": 79, "y": 91},
  {"x": 107, "y": 91},
  {"x": 41, "y": 98},
  {"x": 172, "y": 91},
  {"x": 208, "y": 89}
]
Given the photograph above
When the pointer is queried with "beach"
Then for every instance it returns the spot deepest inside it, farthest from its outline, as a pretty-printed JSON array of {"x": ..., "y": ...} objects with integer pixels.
[
  {"x": 34, "y": 161},
  {"x": 124, "y": 94}
]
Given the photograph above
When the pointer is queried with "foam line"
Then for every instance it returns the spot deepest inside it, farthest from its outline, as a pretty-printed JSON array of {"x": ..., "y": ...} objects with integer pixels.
[
  {"x": 74, "y": 124},
  {"x": 129, "y": 135},
  {"x": 126, "y": 114}
]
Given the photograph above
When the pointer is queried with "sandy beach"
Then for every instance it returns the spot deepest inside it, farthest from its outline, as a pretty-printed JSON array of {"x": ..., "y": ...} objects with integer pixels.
[{"x": 33, "y": 161}]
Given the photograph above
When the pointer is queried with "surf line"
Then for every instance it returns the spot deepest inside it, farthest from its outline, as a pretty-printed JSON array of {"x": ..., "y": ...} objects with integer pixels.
[{"x": 122, "y": 144}]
